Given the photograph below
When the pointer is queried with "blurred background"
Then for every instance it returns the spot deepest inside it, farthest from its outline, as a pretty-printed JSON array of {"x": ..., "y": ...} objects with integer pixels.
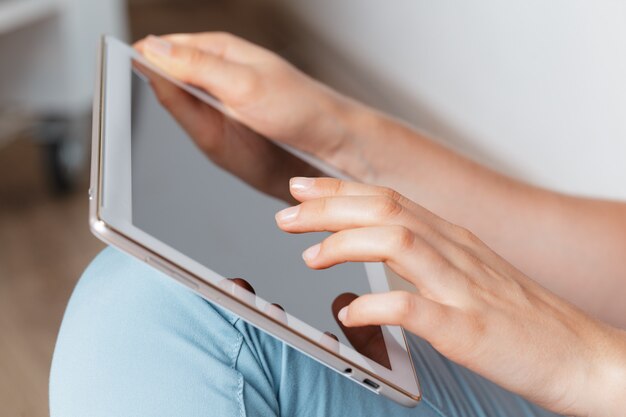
[{"x": 533, "y": 89}]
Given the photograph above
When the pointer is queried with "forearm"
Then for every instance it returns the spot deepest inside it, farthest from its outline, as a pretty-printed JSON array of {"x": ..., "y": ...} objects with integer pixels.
[{"x": 575, "y": 247}]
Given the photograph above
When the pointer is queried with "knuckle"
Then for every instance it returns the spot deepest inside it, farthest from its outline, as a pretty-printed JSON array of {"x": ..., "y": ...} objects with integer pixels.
[
  {"x": 386, "y": 207},
  {"x": 338, "y": 187},
  {"x": 403, "y": 239},
  {"x": 466, "y": 236},
  {"x": 194, "y": 57},
  {"x": 246, "y": 86},
  {"x": 391, "y": 193},
  {"x": 472, "y": 261},
  {"x": 321, "y": 206}
]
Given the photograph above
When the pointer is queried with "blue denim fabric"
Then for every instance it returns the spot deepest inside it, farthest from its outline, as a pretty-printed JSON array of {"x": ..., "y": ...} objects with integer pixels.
[{"x": 135, "y": 343}]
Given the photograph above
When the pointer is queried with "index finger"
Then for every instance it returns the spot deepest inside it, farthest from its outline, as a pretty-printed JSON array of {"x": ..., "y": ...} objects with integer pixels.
[{"x": 304, "y": 189}]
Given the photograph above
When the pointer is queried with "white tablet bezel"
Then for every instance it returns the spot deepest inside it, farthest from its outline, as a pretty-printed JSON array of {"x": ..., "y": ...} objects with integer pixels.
[{"x": 110, "y": 220}]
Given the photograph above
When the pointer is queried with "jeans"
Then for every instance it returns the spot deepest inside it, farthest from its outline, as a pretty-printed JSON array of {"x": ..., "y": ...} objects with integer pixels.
[{"x": 135, "y": 343}]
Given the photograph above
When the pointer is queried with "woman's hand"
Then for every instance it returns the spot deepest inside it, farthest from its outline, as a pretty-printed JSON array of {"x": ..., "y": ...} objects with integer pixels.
[
  {"x": 268, "y": 96},
  {"x": 469, "y": 303}
]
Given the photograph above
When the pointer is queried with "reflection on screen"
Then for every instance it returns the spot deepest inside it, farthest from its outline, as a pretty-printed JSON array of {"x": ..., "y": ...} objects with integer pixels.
[{"x": 183, "y": 199}]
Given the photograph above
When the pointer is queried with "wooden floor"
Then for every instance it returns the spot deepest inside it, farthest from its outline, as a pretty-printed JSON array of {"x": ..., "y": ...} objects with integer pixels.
[
  {"x": 44, "y": 246},
  {"x": 44, "y": 240}
]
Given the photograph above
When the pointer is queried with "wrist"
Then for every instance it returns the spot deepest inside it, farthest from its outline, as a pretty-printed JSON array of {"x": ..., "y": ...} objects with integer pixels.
[
  {"x": 607, "y": 380},
  {"x": 358, "y": 133},
  {"x": 612, "y": 375}
]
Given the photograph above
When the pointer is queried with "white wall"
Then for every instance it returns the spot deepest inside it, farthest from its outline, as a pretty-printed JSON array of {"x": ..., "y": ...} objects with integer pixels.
[
  {"x": 48, "y": 65},
  {"x": 535, "y": 88}
]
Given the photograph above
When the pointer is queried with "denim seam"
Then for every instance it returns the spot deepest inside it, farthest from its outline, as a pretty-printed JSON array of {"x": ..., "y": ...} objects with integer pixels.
[
  {"x": 240, "y": 382},
  {"x": 234, "y": 357},
  {"x": 433, "y": 407}
]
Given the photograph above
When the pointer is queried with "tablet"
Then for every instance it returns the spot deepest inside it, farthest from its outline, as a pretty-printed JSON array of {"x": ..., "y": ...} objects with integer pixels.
[{"x": 156, "y": 196}]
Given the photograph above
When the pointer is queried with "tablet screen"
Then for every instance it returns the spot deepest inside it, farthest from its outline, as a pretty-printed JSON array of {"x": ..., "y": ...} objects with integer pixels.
[{"x": 182, "y": 198}]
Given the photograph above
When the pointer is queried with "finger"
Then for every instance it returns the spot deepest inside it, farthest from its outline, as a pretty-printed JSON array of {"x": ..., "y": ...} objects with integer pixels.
[
  {"x": 307, "y": 188},
  {"x": 386, "y": 209},
  {"x": 367, "y": 340},
  {"x": 409, "y": 255},
  {"x": 203, "y": 123},
  {"x": 340, "y": 302},
  {"x": 332, "y": 214},
  {"x": 368, "y": 229},
  {"x": 415, "y": 313},
  {"x": 329, "y": 341},
  {"x": 222, "y": 44},
  {"x": 239, "y": 288},
  {"x": 243, "y": 284},
  {"x": 342, "y": 213},
  {"x": 275, "y": 311},
  {"x": 395, "y": 244},
  {"x": 304, "y": 188},
  {"x": 228, "y": 81}
]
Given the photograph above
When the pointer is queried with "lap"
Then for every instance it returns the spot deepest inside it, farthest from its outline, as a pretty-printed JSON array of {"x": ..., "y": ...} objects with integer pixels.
[{"x": 133, "y": 342}]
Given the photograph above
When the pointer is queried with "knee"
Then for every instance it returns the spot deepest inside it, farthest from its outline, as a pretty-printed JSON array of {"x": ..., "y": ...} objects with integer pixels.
[
  {"x": 127, "y": 328},
  {"x": 120, "y": 292}
]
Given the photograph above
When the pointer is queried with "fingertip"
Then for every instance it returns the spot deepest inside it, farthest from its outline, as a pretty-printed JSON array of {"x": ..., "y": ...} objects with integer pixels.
[
  {"x": 243, "y": 284},
  {"x": 287, "y": 216},
  {"x": 343, "y": 315},
  {"x": 311, "y": 254},
  {"x": 157, "y": 46},
  {"x": 139, "y": 45},
  {"x": 301, "y": 185}
]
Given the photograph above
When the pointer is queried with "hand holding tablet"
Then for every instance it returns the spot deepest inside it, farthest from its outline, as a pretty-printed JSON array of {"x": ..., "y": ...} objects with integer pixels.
[
  {"x": 256, "y": 88},
  {"x": 157, "y": 198},
  {"x": 201, "y": 220}
]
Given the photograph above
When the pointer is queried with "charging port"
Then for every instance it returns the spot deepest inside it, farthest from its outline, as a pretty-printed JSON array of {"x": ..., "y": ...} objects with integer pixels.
[{"x": 372, "y": 384}]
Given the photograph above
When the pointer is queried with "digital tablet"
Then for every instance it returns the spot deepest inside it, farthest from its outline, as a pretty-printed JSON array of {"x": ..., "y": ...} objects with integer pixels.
[{"x": 156, "y": 196}]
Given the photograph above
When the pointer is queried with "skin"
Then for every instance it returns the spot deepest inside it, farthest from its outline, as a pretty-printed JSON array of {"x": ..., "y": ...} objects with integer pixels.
[
  {"x": 368, "y": 340},
  {"x": 554, "y": 339}
]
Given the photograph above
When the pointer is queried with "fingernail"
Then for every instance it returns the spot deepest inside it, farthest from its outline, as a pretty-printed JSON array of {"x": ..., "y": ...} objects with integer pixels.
[
  {"x": 301, "y": 184},
  {"x": 158, "y": 45},
  {"x": 287, "y": 215},
  {"x": 342, "y": 314},
  {"x": 311, "y": 253}
]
